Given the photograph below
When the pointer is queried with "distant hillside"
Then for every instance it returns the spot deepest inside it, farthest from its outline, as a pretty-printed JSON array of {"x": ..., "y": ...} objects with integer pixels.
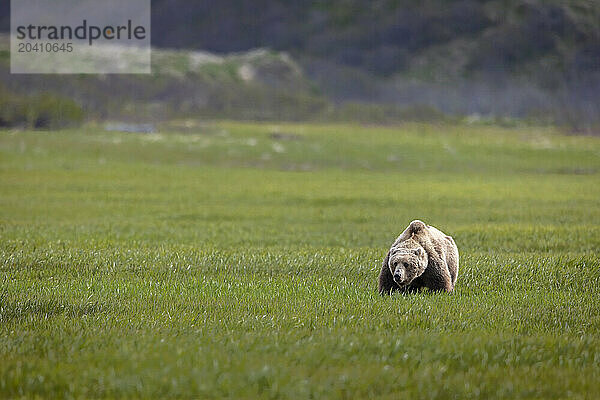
[
  {"x": 390, "y": 36},
  {"x": 430, "y": 38},
  {"x": 516, "y": 58}
]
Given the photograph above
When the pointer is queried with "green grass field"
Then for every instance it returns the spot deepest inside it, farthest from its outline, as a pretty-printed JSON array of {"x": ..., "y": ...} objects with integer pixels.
[{"x": 218, "y": 260}]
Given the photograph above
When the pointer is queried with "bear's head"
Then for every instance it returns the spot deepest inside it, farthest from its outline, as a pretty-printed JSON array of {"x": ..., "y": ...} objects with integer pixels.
[{"x": 408, "y": 261}]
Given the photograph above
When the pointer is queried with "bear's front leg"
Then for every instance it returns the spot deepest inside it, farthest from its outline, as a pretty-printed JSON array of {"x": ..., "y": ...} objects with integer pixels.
[
  {"x": 438, "y": 277},
  {"x": 386, "y": 280}
]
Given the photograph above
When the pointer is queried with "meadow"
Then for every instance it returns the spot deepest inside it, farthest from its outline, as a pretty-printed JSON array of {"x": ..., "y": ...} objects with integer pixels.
[{"x": 240, "y": 260}]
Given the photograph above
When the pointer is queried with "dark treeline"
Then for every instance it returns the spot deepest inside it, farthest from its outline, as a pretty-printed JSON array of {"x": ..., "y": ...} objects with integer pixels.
[{"x": 382, "y": 36}]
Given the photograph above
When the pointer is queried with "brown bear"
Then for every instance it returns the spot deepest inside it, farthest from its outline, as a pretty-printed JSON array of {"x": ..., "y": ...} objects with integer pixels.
[{"x": 422, "y": 256}]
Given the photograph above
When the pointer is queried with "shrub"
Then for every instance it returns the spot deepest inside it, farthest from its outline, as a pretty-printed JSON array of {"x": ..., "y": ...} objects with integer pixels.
[
  {"x": 47, "y": 111},
  {"x": 43, "y": 111}
]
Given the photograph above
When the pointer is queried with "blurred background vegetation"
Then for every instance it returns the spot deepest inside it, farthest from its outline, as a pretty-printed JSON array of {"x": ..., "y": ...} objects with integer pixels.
[{"x": 353, "y": 60}]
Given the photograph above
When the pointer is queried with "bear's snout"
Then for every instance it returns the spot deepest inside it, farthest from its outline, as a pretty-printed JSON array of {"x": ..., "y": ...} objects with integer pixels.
[{"x": 399, "y": 276}]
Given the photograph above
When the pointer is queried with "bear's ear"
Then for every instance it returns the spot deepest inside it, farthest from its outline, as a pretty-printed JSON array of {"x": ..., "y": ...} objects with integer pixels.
[{"x": 417, "y": 251}]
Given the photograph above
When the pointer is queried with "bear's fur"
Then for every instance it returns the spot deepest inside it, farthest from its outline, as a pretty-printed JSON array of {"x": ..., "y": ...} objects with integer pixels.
[{"x": 422, "y": 256}]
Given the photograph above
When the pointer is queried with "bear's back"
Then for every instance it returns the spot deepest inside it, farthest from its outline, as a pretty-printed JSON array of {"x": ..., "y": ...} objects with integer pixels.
[{"x": 450, "y": 250}]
